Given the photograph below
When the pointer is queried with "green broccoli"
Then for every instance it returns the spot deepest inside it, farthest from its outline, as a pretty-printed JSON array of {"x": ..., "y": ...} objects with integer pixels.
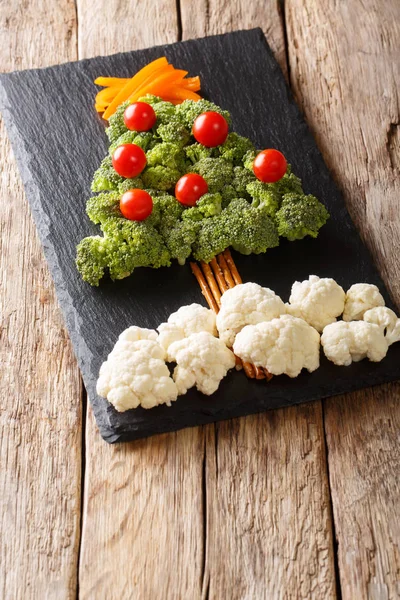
[
  {"x": 300, "y": 215},
  {"x": 144, "y": 140},
  {"x": 165, "y": 111},
  {"x": 174, "y": 131},
  {"x": 241, "y": 178},
  {"x": 209, "y": 205},
  {"x": 228, "y": 193},
  {"x": 91, "y": 259},
  {"x": 130, "y": 184},
  {"x": 252, "y": 231},
  {"x": 265, "y": 194},
  {"x": 106, "y": 177},
  {"x": 213, "y": 238},
  {"x": 180, "y": 238},
  {"x": 216, "y": 171},
  {"x": 160, "y": 178},
  {"x": 168, "y": 155},
  {"x": 132, "y": 244},
  {"x": 289, "y": 184},
  {"x": 196, "y": 152},
  {"x": 116, "y": 123},
  {"x": 235, "y": 148},
  {"x": 103, "y": 207},
  {"x": 189, "y": 110},
  {"x": 248, "y": 159}
]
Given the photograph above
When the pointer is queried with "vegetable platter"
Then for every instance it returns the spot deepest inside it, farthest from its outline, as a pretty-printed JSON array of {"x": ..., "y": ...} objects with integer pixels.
[{"x": 59, "y": 142}]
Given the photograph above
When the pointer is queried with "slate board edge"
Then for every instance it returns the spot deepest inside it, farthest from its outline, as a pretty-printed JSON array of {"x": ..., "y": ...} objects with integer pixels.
[{"x": 34, "y": 195}]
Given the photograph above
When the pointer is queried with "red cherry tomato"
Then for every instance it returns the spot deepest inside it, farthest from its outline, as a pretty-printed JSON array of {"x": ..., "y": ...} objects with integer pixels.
[
  {"x": 269, "y": 166},
  {"x": 136, "y": 205},
  {"x": 129, "y": 160},
  {"x": 210, "y": 129},
  {"x": 190, "y": 188},
  {"x": 139, "y": 116}
]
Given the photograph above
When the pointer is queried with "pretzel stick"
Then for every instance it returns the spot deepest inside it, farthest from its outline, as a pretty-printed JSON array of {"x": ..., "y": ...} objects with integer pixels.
[
  {"x": 219, "y": 276},
  {"x": 211, "y": 282},
  {"x": 205, "y": 290},
  {"x": 225, "y": 270},
  {"x": 260, "y": 374},
  {"x": 232, "y": 266}
]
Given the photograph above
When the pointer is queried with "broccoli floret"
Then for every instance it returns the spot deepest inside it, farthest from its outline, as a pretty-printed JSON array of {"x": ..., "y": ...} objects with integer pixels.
[
  {"x": 174, "y": 131},
  {"x": 248, "y": 159},
  {"x": 143, "y": 139},
  {"x": 132, "y": 244},
  {"x": 160, "y": 178},
  {"x": 116, "y": 123},
  {"x": 196, "y": 152},
  {"x": 209, "y": 205},
  {"x": 180, "y": 238},
  {"x": 168, "y": 155},
  {"x": 264, "y": 194},
  {"x": 241, "y": 178},
  {"x": 251, "y": 229},
  {"x": 189, "y": 110},
  {"x": 289, "y": 184},
  {"x": 213, "y": 238},
  {"x": 131, "y": 184},
  {"x": 235, "y": 147},
  {"x": 106, "y": 177},
  {"x": 216, "y": 171},
  {"x": 228, "y": 193},
  {"x": 165, "y": 111},
  {"x": 91, "y": 259},
  {"x": 103, "y": 207},
  {"x": 300, "y": 215}
]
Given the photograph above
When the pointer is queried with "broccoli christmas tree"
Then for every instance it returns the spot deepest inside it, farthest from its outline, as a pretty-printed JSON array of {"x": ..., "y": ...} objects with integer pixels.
[{"x": 238, "y": 210}]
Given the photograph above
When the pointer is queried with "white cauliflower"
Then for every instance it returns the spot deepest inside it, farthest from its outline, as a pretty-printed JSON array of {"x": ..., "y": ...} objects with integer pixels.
[
  {"x": 387, "y": 320},
  {"x": 317, "y": 301},
  {"x": 135, "y": 372},
  {"x": 360, "y": 298},
  {"x": 202, "y": 360},
  {"x": 283, "y": 345},
  {"x": 345, "y": 342},
  {"x": 246, "y": 304},
  {"x": 185, "y": 321}
]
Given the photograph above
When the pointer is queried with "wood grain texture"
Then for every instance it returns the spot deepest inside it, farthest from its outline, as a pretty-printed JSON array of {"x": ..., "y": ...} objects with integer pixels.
[
  {"x": 142, "y": 528},
  {"x": 268, "y": 508},
  {"x": 117, "y": 26},
  {"x": 40, "y": 411},
  {"x": 209, "y": 17},
  {"x": 347, "y": 85},
  {"x": 262, "y": 540}
]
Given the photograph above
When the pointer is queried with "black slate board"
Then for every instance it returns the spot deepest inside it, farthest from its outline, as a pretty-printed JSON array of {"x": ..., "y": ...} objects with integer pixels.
[{"x": 59, "y": 141}]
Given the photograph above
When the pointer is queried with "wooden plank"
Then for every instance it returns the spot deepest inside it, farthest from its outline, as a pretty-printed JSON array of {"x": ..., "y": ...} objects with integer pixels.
[
  {"x": 210, "y": 17},
  {"x": 142, "y": 530},
  {"x": 347, "y": 85},
  {"x": 268, "y": 508},
  {"x": 262, "y": 539},
  {"x": 40, "y": 406}
]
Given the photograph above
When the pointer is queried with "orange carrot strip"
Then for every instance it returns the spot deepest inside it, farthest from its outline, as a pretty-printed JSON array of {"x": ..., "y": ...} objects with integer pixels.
[
  {"x": 136, "y": 81},
  {"x": 111, "y": 81},
  {"x": 158, "y": 85}
]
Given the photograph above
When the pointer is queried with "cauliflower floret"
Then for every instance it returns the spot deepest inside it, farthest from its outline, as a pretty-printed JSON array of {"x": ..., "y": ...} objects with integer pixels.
[
  {"x": 317, "y": 301},
  {"x": 360, "y": 298},
  {"x": 185, "y": 321},
  {"x": 345, "y": 343},
  {"x": 246, "y": 304},
  {"x": 387, "y": 320},
  {"x": 202, "y": 360},
  {"x": 135, "y": 372},
  {"x": 283, "y": 345}
]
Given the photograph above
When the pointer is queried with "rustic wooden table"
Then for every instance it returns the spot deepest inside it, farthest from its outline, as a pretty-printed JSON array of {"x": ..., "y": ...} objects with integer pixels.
[{"x": 296, "y": 503}]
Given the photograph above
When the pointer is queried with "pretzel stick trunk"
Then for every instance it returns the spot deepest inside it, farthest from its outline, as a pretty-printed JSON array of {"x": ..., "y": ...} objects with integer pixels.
[{"x": 205, "y": 290}]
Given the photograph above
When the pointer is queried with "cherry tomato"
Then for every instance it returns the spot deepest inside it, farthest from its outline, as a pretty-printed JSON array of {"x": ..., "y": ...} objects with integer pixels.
[
  {"x": 269, "y": 166},
  {"x": 136, "y": 205},
  {"x": 139, "y": 116},
  {"x": 190, "y": 188},
  {"x": 129, "y": 160},
  {"x": 210, "y": 129}
]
